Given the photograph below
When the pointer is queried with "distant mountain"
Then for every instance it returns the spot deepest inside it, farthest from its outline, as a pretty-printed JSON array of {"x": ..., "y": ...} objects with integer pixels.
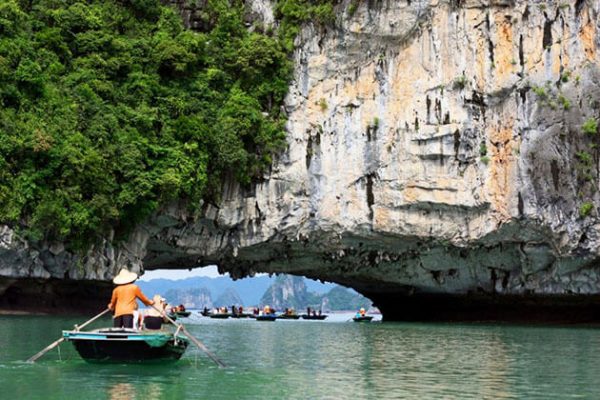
[
  {"x": 190, "y": 298},
  {"x": 288, "y": 292},
  {"x": 318, "y": 286},
  {"x": 249, "y": 289},
  {"x": 342, "y": 299},
  {"x": 197, "y": 292},
  {"x": 228, "y": 298},
  {"x": 291, "y": 292}
]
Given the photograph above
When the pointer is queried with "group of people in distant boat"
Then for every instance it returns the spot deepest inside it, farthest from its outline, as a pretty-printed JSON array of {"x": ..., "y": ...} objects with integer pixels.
[
  {"x": 124, "y": 304},
  {"x": 237, "y": 310},
  {"x": 224, "y": 310},
  {"x": 268, "y": 310},
  {"x": 360, "y": 313},
  {"x": 289, "y": 311},
  {"x": 179, "y": 308},
  {"x": 313, "y": 312}
]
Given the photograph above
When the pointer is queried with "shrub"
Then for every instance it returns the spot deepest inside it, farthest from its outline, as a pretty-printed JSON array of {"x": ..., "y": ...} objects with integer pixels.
[
  {"x": 460, "y": 82},
  {"x": 585, "y": 158},
  {"x": 482, "y": 149},
  {"x": 566, "y": 103},
  {"x": 590, "y": 126},
  {"x": 540, "y": 92},
  {"x": 376, "y": 122},
  {"x": 323, "y": 104},
  {"x": 352, "y": 8},
  {"x": 585, "y": 209}
]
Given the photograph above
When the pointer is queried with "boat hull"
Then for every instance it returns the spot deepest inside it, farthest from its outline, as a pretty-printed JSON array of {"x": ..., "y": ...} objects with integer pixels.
[
  {"x": 219, "y": 316},
  {"x": 266, "y": 318},
  {"x": 183, "y": 314},
  {"x": 314, "y": 317},
  {"x": 127, "y": 346},
  {"x": 283, "y": 316},
  {"x": 367, "y": 318},
  {"x": 241, "y": 315}
]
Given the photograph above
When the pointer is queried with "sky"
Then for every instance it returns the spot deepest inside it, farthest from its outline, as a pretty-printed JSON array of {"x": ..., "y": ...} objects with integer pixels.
[{"x": 175, "y": 274}]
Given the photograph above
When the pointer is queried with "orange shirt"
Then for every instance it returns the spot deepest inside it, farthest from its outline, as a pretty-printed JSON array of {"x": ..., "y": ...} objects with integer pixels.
[{"x": 123, "y": 299}]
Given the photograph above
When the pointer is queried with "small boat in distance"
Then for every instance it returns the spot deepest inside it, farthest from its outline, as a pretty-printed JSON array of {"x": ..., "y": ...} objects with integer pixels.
[
  {"x": 289, "y": 313},
  {"x": 243, "y": 315},
  {"x": 183, "y": 314},
  {"x": 266, "y": 317},
  {"x": 312, "y": 314},
  {"x": 314, "y": 317},
  {"x": 127, "y": 345},
  {"x": 288, "y": 316},
  {"x": 219, "y": 315},
  {"x": 363, "y": 318}
]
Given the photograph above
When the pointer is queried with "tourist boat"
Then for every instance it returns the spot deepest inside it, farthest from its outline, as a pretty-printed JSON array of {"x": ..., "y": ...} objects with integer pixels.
[
  {"x": 314, "y": 317},
  {"x": 242, "y": 315},
  {"x": 183, "y": 314},
  {"x": 266, "y": 317},
  {"x": 127, "y": 345},
  {"x": 288, "y": 316},
  {"x": 363, "y": 318},
  {"x": 219, "y": 315}
]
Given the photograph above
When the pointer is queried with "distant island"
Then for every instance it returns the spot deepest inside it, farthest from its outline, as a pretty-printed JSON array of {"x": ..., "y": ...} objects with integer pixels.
[{"x": 279, "y": 292}]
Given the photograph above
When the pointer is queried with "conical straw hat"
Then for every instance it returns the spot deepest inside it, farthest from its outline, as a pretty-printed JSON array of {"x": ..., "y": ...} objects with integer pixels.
[{"x": 124, "y": 277}]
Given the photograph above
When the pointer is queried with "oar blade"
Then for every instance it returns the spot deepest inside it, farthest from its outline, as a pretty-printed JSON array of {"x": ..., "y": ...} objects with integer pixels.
[
  {"x": 197, "y": 342},
  {"x": 59, "y": 341},
  {"x": 202, "y": 347},
  {"x": 44, "y": 351}
]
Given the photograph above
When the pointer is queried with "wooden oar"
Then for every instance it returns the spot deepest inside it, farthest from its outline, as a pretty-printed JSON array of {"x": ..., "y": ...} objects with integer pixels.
[
  {"x": 197, "y": 342},
  {"x": 59, "y": 341}
]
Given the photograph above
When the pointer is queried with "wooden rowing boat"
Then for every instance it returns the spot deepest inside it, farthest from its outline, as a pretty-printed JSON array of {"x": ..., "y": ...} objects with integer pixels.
[
  {"x": 267, "y": 317},
  {"x": 314, "y": 317},
  {"x": 219, "y": 315},
  {"x": 288, "y": 316},
  {"x": 127, "y": 345},
  {"x": 183, "y": 314}
]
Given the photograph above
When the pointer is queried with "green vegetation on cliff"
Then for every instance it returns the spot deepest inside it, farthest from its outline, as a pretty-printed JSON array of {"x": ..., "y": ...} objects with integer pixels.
[{"x": 110, "y": 109}]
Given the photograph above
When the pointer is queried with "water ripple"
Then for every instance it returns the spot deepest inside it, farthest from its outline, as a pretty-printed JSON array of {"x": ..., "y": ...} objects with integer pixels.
[{"x": 322, "y": 360}]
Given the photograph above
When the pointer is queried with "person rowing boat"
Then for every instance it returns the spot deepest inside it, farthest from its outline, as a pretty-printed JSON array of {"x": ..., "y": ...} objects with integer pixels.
[{"x": 124, "y": 299}]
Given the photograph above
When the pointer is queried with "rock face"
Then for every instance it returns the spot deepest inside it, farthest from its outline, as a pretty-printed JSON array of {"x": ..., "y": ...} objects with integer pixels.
[
  {"x": 287, "y": 292},
  {"x": 230, "y": 297},
  {"x": 437, "y": 160},
  {"x": 197, "y": 298}
]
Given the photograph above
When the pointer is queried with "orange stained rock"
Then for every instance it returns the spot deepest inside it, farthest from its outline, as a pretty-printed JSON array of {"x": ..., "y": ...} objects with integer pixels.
[
  {"x": 504, "y": 51},
  {"x": 410, "y": 194},
  {"x": 503, "y": 167},
  {"x": 381, "y": 218},
  {"x": 588, "y": 37}
]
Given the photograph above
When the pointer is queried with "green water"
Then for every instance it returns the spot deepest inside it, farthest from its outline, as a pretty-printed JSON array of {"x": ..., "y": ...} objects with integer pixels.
[{"x": 332, "y": 359}]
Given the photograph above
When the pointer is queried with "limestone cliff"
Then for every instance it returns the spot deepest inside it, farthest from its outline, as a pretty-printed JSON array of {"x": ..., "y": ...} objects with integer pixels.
[{"x": 434, "y": 148}]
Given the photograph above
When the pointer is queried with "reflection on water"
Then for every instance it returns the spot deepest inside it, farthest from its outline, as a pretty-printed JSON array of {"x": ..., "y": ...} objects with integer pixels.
[
  {"x": 127, "y": 391},
  {"x": 318, "y": 360},
  {"x": 121, "y": 391}
]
